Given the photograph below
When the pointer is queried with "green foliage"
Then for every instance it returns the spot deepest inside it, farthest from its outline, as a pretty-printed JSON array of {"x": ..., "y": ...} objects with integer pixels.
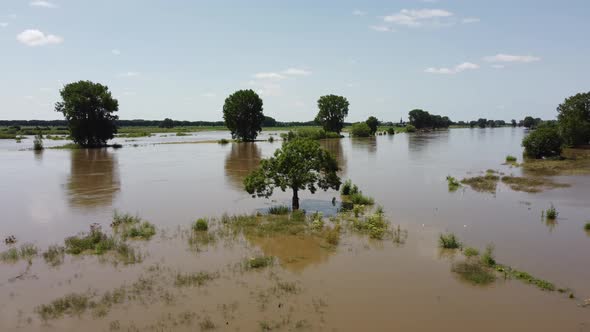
[
  {"x": 453, "y": 183},
  {"x": 374, "y": 224},
  {"x": 124, "y": 219},
  {"x": 201, "y": 225},
  {"x": 551, "y": 213},
  {"x": 528, "y": 122},
  {"x": 360, "y": 129},
  {"x": 243, "y": 115},
  {"x": 71, "y": 304},
  {"x": 259, "y": 262},
  {"x": 193, "y": 279},
  {"x": 223, "y": 141},
  {"x": 421, "y": 119},
  {"x": 167, "y": 123},
  {"x": 38, "y": 142},
  {"x": 311, "y": 133},
  {"x": 526, "y": 277},
  {"x": 449, "y": 241},
  {"x": 54, "y": 255},
  {"x": 487, "y": 183},
  {"x": 332, "y": 112},
  {"x": 95, "y": 242},
  {"x": 587, "y": 226},
  {"x": 390, "y": 131},
  {"x": 543, "y": 142},
  {"x": 470, "y": 252},
  {"x": 144, "y": 231},
  {"x": 359, "y": 198},
  {"x": 574, "y": 119},
  {"x": 511, "y": 159},
  {"x": 348, "y": 188},
  {"x": 13, "y": 255},
  {"x": 474, "y": 272},
  {"x": 488, "y": 258},
  {"x": 373, "y": 124},
  {"x": 88, "y": 108},
  {"x": 410, "y": 129},
  {"x": 279, "y": 210},
  {"x": 298, "y": 165}
]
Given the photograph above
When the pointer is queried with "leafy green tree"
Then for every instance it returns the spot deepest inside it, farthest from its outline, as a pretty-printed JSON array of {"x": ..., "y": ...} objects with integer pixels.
[
  {"x": 513, "y": 123},
  {"x": 543, "y": 142},
  {"x": 88, "y": 108},
  {"x": 167, "y": 123},
  {"x": 373, "y": 124},
  {"x": 574, "y": 119},
  {"x": 482, "y": 123},
  {"x": 243, "y": 115},
  {"x": 420, "y": 119},
  {"x": 332, "y": 112},
  {"x": 269, "y": 122},
  {"x": 528, "y": 122},
  {"x": 361, "y": 129},
  {"x": 298, "y": 165}
]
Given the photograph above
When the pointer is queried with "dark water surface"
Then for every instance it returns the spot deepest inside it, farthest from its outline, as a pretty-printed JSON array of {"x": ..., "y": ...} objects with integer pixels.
[{"x": 50, "y": 195}]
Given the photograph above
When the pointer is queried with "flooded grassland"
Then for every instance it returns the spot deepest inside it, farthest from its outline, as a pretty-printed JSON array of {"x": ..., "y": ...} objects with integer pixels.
[{"x": 195, "y": 252}]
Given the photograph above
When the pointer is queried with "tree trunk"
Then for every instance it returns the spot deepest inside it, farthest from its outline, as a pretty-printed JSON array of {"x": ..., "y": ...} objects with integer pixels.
[{"x": 295, "y": 200}]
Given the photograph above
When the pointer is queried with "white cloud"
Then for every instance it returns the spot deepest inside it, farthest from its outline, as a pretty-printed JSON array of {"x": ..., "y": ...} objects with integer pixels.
[
  {"x": 130, "y": 74},
  {"x": 357, "y": 12},
  {"x": 208, "y": 95},
  {"x": 381, "y": 28},
  {"x": 455, "y": 70},
  {"x": 511, "y": 58},
  {"x": 266, "y": 88},
  {"x": 416, "y": 17},
  {"x": 468, "y": 20},
  {"x": 116, "y": 52},
  {"x": 3, "y": 24},
  {"x": 34, "y": 37},
  {"x": 296, "y": 72},
  {"x": 42, "y": 4},
  {"x": 268, "y": 76}
]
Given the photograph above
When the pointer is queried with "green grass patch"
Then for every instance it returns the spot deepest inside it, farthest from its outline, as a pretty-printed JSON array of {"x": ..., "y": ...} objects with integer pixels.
[
  {"x": 551, "y": 213},
  {"x": 129, "y": 226},
  {"x": 471, "y": 252},
  {"x": 279, "y": 210},
  {"x": 201, "y": 225},
  {"x": 531, "y": 184},
  {"x": 194, "y": 279},
  {"x": 54, "y": 255},
  {"x": 526, "y": 277},
  {"x": 259, "y": 262},
  {"x": 474, "y": 272},
  {"x": 449, "y": 241},
  {"x": 71, "y": 304},
  {"x": 453, "y": 183},
  {"x": 486, "y": 183},
  {"x": 25, "y": 252},
  {"x": 511, "y": 159}
]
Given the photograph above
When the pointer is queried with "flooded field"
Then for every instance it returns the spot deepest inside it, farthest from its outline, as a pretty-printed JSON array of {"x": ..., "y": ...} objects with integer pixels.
[{"x": 187, "y": 280}]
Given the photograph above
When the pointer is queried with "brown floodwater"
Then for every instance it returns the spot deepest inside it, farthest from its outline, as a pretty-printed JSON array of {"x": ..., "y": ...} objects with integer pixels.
[{"x": 361, "y": 285}]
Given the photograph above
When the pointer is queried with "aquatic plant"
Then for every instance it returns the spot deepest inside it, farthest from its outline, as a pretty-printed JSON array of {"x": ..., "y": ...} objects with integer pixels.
[
  {"x": 399, "y": 235},
  {"x": 333, "y": 235},
  {"x": 194, "y": 279},
  {"x": 488, "y": 258},
  {"x": 71, "y": 304},
  {"x": 474, "y": 272},
  {"x": 551, "y": 213},
  {"x": 359, "y": 198},
  {"x": 470, "y": 252},
  {"x": 449, "y": 241},
  {"x": 348, "y": 188},
  {"x": 38, "y": 142},
  {"x": 511, "y": 159},
  {"x": 526, "y": 277},
  {"x": 201, "y": 225},
  {"x": 223, "y": 141},
  {"x": 54, "y": 255},
  {"x": 207, "y": 324},
  {"x": 124, "y": 219},
  {"x": 144, "y": 230},
  {"x": 453, "y": 183},
  {"x": 271, "y": 139},
  {"x": 26, "y": 252},
  {"x": 9, "y": 240},
  {"x": 95, "y": 241},
  {"x": 259, "y": 262},
  {"x": 279, "y": 210},
  {"x": 181, "y": 133},
  {"x": 487, "y": 183},
  {"x": 587, "y": 226}
]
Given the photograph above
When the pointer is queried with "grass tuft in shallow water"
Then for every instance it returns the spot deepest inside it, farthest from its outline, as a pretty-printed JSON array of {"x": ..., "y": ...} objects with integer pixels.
[
  {"x": 474, "y": 272},
  {"x": 453, "y": 183},
  {"x": 488, "y": 258},
  {"x": 143, "y": 231},
  {"x": 54, "y": 255},
  {"x": 122, "y": 219},
  {"x": 551, "y": 213},
  {"x": 449, "y": 241},
  {"x": 25, "y": 252},
  {"x": 471, "y": 252},
  {"x": 207, "y": 324},
  {"x": 259, "y": 262},
  {"x": 96, "y": 242},
  {"x": 223, "y": 141},
  {"x": 201, "y": 225},
  {"x": 194, "y": 279},
  {"x": 526, "y": 277},
  {"x": 486, "y": 183},
  {"x": 531, "y": 184},
  {"x": 71, "y": 304}
]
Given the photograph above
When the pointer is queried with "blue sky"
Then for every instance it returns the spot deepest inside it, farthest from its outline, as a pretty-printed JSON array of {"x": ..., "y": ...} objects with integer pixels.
[{"x": 180, "y": 58}]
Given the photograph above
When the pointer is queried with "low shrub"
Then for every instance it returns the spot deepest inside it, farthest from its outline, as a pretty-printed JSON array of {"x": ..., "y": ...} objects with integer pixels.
[
  {"x": 587, "y": 226},
  {"x": 410, "y": 128},
  {"x": 511, "y": 159},
  {"x": 223, "y": 141},
  {"x": 551, "y": 213},
  {"x": 543, "y": 142},
  {"x": 360, "y": 129},
  {"x": 488, "y": 258},
  {"x": 453, "y": 183},
  {"x": 449, "y": 241},
  {"x": 38, "y": 142},
  {"x": 201, "y": 225},
  {"x": 360, "y": 199},
  {"x": 390, "y": 131},
  {"x": 471, "y": 252}
]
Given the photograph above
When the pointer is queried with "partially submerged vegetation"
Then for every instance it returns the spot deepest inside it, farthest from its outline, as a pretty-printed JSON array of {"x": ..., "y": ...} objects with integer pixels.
[
  {"x": 24, "y": 252},
  {"x": 449, "y": 241},
  {"x": 453, "y": 184},
  {"x": 486, "y": 183},
  {"x": 531, "y": 184},
  {"x": 551, "y": 213},
  {"x": 351, "y": 194}
]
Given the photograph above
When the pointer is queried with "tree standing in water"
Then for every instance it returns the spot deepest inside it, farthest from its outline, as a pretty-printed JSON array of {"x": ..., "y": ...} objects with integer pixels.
[
  {"x": 298, "y": 165},
  {"x": 243, "y": 115}
]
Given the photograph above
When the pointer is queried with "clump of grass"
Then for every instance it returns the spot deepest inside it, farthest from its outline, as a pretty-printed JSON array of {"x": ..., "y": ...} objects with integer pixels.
[
  {"x": 348, "y": 188},
  {"x": 486, "y": 183},
  {"x": 259, "y": 262},
  {"x": 488, "y": 258},
  {"x": 333, "y": 235},
  {"x": 375, "y": 225},
  {"x": 551, "y": 213},
  {"x": 359, "y": 198},
  {"x": 287, "y": 287},
  {"x": 449, "y": 241},
  {"x": 474, "y": 272},
  {"x": 193, "y": 279},
  {"x": 144, "y": 231},
  {"x": 54, "y": 255},
  {"x": 223, "y": 141},
  {"x": 453, "y": 183},
  {"x": 526, "y": 277},
  {"x": 127, "y": 254},
  {"x": 96, "y": 242},
  {"x": 38, "y": 142},
  {"x": 26, "y": 252},
  {"x": 201, "y": 225},
  {"x": 470, "y": 252},
  {"x": 71, "y": 304},
  {"x": 207, "y": 324},
  {"x": 399, "y": 235},
  {"x": 124, "y": 219},
  {"x": 511, "y": 159},
  {"x": 279, "y": 210},
  {"x": 531, "y": 184}
]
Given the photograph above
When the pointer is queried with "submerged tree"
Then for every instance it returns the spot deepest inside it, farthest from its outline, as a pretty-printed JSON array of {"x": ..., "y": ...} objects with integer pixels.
[
  {"x": 543, "y": 142},
  {"x": 243, "y": 115},
  {"x": 373, "y": 123},
  {"x": 574, "y": 119},
  {"x": 88, "y": 108},
  {"x": 332, "y": 112},
  {"x": 298, "y": 165}
]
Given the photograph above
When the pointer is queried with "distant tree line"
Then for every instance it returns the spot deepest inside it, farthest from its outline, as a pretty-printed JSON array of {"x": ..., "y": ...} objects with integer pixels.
[{"x": 424, "y": 120}]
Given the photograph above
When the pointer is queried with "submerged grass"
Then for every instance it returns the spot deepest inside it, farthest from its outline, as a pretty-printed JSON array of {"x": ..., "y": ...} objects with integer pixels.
[
  {"x": 259, "y": 262},
  {"x": 474, "y": 272},
  {"x": 531, "y": 184},
  {"x": 194, "y": 279},
  {"x": 71, "y": 304},
  {"x": 25, "y": 252},
  {"x": 486, "y": 183},
  {"x": 201, "y": 225},
  {"x": 551, "y": 213},
  {"x": 453, "y": 183},
  {"x": 54, "y": 255},
  {"x": 129, "y": 226}
]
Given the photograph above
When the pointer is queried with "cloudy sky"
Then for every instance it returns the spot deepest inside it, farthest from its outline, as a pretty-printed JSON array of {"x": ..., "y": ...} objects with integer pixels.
[{"x": 498, "y": 59}]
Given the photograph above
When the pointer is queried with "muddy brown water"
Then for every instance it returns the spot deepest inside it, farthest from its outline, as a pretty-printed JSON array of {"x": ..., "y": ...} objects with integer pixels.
[{"x": 362, "y": 285}]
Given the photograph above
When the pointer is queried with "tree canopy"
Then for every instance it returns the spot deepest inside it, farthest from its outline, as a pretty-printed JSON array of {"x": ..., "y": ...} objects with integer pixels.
[
  {"x": 373, "y": 123},
  {"x": 167, "y": 123},
  {"x": 243, "y": 115},
  {"x": 88, "y": 108},
  {"x": 543, "y": 142},
  {"x": 298, "y": 165},
  {"x": 332, "y": 112},
  {"x": 574, "y": 119},
  {"x": 422, "y": 119},
  {"x": 361, "y": 129}
]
